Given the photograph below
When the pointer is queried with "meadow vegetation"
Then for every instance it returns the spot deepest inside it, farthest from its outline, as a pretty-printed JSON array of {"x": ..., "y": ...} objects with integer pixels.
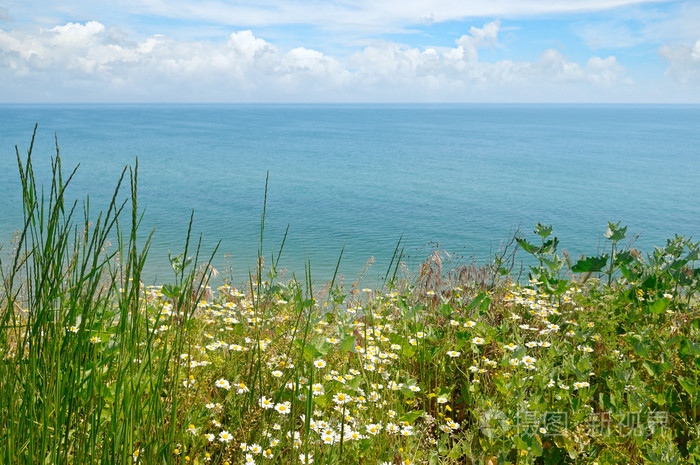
[{"x": 590, "y": 360}]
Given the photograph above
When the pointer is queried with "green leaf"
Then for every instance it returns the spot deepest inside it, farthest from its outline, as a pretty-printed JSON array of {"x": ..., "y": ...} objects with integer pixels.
[
  {"x": 614, "y": 232},
  {"x": 355, "y": 382},
  {"x": 348, "y": 344},
  {"x": 476, "y": 301},
  {"x": 484, "y": 305},
  {"x": 550, "y": 246},
  {"x": 640, "y": 349},
  {"x": 170, "y": 290},
  {"x": 411, "y": 416},
  {"x": 624, "y": 258},
  {"x": 590, "y": 264},
  {"x": 456, "y": 452},
  {"x": 311, "y": 353},
  {"x": 649, "y": 368},
  {"x": 687, "y": 385},
  {"x": 543, "y": 230},
  {"x": 689, "y": 348},
  {"x": 526, "y": 246},
  {"x": 658, "y": 306}
]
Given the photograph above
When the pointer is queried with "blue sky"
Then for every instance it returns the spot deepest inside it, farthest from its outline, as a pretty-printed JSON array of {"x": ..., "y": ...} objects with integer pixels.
[{"x": 350, "y": 51}]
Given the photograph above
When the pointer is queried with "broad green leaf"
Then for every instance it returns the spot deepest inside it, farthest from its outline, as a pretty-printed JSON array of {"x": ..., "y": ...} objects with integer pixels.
[
  {"x": 311, "y": 353},
  {"x": 550, "y": 246},
  {"x": 658, "y": 306},
  {"x": 649, "y": 368},
  {"x": 689, "y": 348},
  {"x": 484, "y": 305},
  {"x": 687, "y": 385},
  {"x": 614, "y": 232},
  {"x": 411, "y": 416},
  {"x": 590, "y": 264},
  {"x": 527, "y": 247},
  {"x": 624, "y": 258},
  {"x": 348, "y": 343},
  {"x": 543, "y": 230}
]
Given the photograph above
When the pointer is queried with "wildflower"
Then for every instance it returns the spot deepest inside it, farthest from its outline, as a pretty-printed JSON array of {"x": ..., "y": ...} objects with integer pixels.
[
  {"x": 469, "y": 324},
  {"x": 510, "y": 347},
  {"x": 453, "y": 425},
  {"x": 73, "y": 329},
  {"x": 320, "y": 363},
  {"x": 407, "y": 430},
  {"x": 353, "y": 435},
  {"x": 414, "y": 388},
  {"x": 242, "y": 388},
  {"x": 442, "y": 400},
  {"x": 317, "y": 389},
  {"x": 225, "y": 436},
  {"x": 95, "y": 340},
  {"x": 454, "y": 353},
  {"x": 306, "y": 459},
  {"x": 255, "y": 448},
  {"x": 267, "y": 454},
  {"x": 277, "y": 374},
  {"x": 392, "y": 428},
  {"x": 341, "y": 398},
  {"x": 284, "y": 408},
  {"x": 445, "y": 429},
  {"x": 527, "y": 360},
  {"x": 266, "y": 403},
  {"x": 478, "y": 341},
  {"x": 209, "y": 437},
  {"x": 373, "y": 429},
  {"x": 222, "y": 383},
  {"x": 249, "y": 460},
  {"x": 191, "y": 429}
]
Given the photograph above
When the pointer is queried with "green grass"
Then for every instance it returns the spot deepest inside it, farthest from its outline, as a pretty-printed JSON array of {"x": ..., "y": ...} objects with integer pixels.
[{"x": 590, "y": 361}]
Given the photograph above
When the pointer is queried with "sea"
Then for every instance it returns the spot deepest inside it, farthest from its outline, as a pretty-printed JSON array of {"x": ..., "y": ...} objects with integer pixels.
[{"x": 363, "y": 178}]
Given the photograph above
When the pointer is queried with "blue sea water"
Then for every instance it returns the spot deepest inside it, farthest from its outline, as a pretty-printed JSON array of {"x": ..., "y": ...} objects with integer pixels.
[{"x": 458, "y": 177}]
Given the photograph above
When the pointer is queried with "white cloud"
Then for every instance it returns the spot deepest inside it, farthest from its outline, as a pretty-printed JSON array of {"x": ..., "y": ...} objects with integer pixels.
[
  {"x": 607, "y": 35},
  {"x": 92, "y": 62},
  {"x": 684, "y": 62}
]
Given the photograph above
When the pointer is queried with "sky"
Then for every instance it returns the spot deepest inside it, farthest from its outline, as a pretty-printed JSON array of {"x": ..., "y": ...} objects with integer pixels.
[{"x": 558, "y": 51}]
